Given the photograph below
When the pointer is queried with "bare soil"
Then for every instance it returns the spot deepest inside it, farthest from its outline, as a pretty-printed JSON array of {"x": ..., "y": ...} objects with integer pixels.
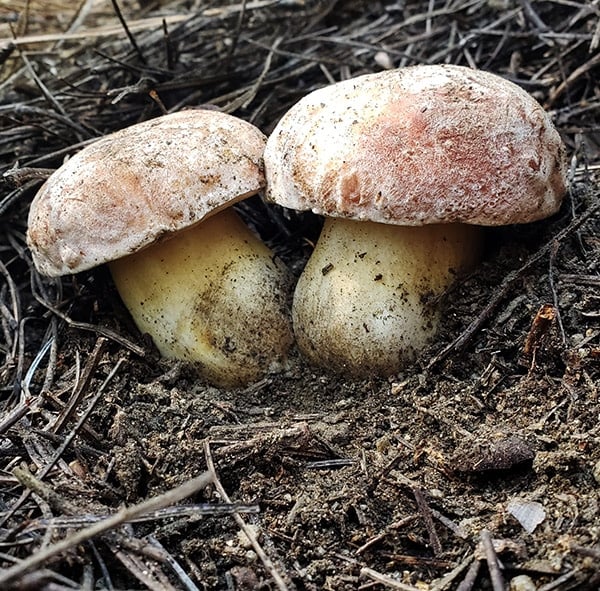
[{"x": 485, "y": 454}]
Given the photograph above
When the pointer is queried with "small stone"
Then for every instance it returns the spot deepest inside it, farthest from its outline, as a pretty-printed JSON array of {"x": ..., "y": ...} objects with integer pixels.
[
  {"x": 522, "y": 583},
  {"x": 383, "y": 60}
]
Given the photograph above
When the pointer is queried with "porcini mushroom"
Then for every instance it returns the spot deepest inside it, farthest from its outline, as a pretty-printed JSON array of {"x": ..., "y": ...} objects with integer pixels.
[
  {"x": 154, "y": 202},
  {"x": 405, "y": 165}
]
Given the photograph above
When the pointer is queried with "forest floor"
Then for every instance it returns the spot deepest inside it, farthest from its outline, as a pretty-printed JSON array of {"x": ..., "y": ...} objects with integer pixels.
[{"x": 477, "y": 468}]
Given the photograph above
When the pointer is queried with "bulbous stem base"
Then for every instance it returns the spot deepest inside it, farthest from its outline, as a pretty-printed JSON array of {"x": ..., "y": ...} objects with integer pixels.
[
  {"x": 368, "y": 299},
  {"x": 212, "y": 295}
]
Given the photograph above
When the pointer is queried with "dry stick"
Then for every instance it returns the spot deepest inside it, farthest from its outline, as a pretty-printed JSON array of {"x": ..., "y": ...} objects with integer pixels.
[
  {"x": 244, "y": 99},
  {"x": 57, "y": 455},
  {"x": 571, "y": 78},
  {"x": 455, "y": 528},
  {"x": 511, "y": 278},
  {"x": 385, "y": 580},
  {"x": 492, "y": 561},
  {"x": 42, "y": 87},
  {"x": 14, "y": 295},
  {"x": 42, "y": 490},
  {"x": 171, "y": 497},
  {"x": 76, "y": 519},
  {"x": 60, "y": 504},
  {"x": 105, "y": 573},
  {"x": 52, "y": 337},
  {"x": 101, "y": 330},
  {"x": 469, "y": 581},
  {"x": 585, "y": 551},
  {"x": 174, "y": 565},
  {"x": 141, "y": 570},
  {"x": 82, "y": 385},
  {"x": 17, "y": 348},
  {"x": 14, "y": 415},
  {"x": 444, "y": 583},
  {"x": 595, "y": 42},
  {"x": 236, "y": 35},
  {"x": 82, "y": 419},
  {"x": 533, "y": 17},
  {"x": 101, "y": 31},
  {"x": 553, "y": 253},
  {"x": 13, "y": 196},
  {"x": 425, "y": 511},
  {"x": 592, "y": 280},
  {"x": 267, "y": 562},
  {"x": 128, "y": 32},
  {"x": 393, "y": 526},
  {"x": 558, "y": 582}
]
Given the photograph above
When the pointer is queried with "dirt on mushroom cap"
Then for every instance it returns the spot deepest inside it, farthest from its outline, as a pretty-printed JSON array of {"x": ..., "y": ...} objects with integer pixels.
[
  {"x": 133, "y": 187},
  {"x": 425, "y": 144}
]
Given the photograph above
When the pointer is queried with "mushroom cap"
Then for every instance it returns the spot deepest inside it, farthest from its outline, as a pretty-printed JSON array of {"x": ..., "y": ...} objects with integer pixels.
[
  {"x": 419, "y": 145},
  {"x": 140, "y": 184}
]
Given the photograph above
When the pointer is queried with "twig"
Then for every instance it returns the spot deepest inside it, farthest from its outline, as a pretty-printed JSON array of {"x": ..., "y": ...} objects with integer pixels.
[
  {"x": 100, "y": 330},
  {"x": 385, "y": 580},
  {"x": 558, "y": 582},
  {"x": 83, "y": 418},
  {"x": 142, "y": 570},
  {"x": 236, "y": 34},
  {"x": 79, "y": 520},
  {"x": 469, "y": 581},
  {"x": 175, "y": 566},
  {"x": 425, "y": 511},
  {"x": 444, "y": 583},
  {"x": 571, "y": 78},
  {"x": 267, "y": 562},
  {"x": 533, "y": 16},
  {"x": 42, "y": 490},
  {"x": 104, "y": 570},
  {"x": 19, "y": 176},
  {"x": 512, "y": 277},
  {"x": 43, "y": 88},
  {"x": 128, "y": 32},
  {"x": 551, "y": 262},
  {"x": 396, "y": 525},
  {"x": 67, "y": 441},
  {"x": 82, "y": 385},
  {"x": 171, "y": 497},
  {"x": 585, "y": 551},
  {"x": 492, "y": 561}
]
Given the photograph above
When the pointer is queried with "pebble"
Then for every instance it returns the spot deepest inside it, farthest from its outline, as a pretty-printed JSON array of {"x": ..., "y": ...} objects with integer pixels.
[{"x": 522, "y": 583}]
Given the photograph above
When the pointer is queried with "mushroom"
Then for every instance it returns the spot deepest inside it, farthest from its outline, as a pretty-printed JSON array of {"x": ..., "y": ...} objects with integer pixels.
[
  {"x": 154, "y": 202},
  {"x": 406, "y": 165}
]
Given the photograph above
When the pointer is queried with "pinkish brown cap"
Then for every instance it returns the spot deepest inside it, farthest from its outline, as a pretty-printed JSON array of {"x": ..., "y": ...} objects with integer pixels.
[
  {"x": 419, "y": 145},
  {"x": 130, "y": 188}
]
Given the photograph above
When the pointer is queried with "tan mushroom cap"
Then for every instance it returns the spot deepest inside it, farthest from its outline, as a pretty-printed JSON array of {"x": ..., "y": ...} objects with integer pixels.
[
  {"x": 132, "y": 187},
  {"x": 419, "y": 145}
]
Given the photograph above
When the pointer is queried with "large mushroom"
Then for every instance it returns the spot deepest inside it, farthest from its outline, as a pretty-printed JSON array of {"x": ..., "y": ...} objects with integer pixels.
[
  {"x": 154, "y": 202},
  {"x": 405, "y": 165}
]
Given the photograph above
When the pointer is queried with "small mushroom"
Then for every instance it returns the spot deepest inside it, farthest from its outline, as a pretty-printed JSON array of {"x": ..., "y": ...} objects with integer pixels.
[
  {"x": 154, "y": 202},
  {"x": 405, "y": 165}
]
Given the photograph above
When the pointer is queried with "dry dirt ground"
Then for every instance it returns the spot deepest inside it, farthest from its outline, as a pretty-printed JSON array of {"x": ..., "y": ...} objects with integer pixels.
[{"x": 478, "y": 468}]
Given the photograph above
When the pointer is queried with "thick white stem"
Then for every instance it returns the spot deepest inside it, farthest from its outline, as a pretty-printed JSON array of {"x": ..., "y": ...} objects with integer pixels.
[
  {"x": 212, "y": 295},
  {"x": 368, "y": 300}
]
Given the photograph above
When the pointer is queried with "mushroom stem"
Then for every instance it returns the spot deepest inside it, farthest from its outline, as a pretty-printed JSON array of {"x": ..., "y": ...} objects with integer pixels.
[
  {"x": 368, "y": 298},
  {"x": 213, "y": 295}
]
